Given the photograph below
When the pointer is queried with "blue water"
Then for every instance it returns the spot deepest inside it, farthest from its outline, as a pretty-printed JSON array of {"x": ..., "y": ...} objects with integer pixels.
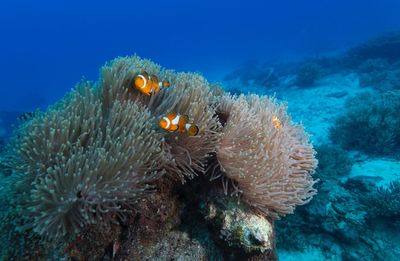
[{"x": 47, "y": 46}]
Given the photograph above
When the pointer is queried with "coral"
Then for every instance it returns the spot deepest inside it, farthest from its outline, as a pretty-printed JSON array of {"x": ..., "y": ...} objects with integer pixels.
[
  {"x": 308, "y": 74},
  {"x": 382, "y": 47},
  {"x": 177, "y": 245},
  {"x": 333, "y": 162},
  {"x": 95, "y": 242},
  {"x": 1, "y": 144},
  {"x": 379, "y": 74},
  {"x": 336, "y": 221},
  {"x": 347, "y": 217},
  {"x": 372, "y": 65},
  {"x": 271, "y": 166},
  {"x": 370, "y": 124},
  {"x": 383, "y": 202},
  {"x": 333, "y": 218}
]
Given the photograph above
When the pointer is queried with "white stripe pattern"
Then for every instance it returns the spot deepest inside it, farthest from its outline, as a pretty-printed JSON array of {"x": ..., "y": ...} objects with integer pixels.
[
  {"x": 144, "y": 81},
  {"x": 168, "y": 122},
  {"x": 176, "y": 120}
]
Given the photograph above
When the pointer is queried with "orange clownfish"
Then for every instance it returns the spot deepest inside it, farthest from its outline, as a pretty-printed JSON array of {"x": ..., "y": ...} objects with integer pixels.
[
  {"x": 176, "y": 122},
  {"x": 277, "y": 122},
  {"x": 149, "y": 84}
]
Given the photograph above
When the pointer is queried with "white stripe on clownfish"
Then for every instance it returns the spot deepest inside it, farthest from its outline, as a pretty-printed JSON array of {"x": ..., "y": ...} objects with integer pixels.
[
  {"x": 168, "y": 122},
  {"x": 187, "y": 126},
  {"x": 144, "y": 81},
  {"x": 176, "y": 120}
]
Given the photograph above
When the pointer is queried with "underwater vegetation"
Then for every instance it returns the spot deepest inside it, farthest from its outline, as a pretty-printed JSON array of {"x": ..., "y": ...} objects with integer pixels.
[
  {"x": 103, "y": 169},
  {"x": 370, "y": 124}
]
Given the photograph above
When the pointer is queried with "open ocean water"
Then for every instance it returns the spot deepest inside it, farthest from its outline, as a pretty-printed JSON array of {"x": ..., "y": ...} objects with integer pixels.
[{"x": 336, "y": 64}]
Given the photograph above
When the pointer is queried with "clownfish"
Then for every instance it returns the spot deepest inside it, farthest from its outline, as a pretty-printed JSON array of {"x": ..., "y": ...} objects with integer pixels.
[
  {"x": 149, "y": 84},
  {"x": 277, "y": 122},
  {"x": 176, "y": 122}
]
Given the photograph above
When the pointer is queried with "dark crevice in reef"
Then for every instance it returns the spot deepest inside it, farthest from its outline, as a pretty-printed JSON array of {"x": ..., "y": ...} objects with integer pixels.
[{"x": 192, "y": 221}]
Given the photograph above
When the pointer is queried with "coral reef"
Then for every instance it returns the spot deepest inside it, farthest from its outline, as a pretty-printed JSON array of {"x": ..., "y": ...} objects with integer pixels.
[
  {"x": 370, "y": 124},
  {"x": 383, "y": 202},
  {"x": 383, "y": 47},
  {"x": 98, "y": 180},
  {"x": 345, "y": 220},
  {"x": 380, "y": 75},
  {"x": 376, "y": 62},
  {"x": 308, "y": 74},
  {"x": 333, "y": 162},
  {"x": 354, "y": 216}
]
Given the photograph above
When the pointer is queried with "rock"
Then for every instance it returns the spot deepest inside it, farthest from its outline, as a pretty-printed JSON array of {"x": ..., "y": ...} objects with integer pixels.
[
  {"x": 176, "y": 245},
  {"x": 348, "y": 233},
  {"x": 95, "y": 242},
  {"x": 239, "y": 227}
]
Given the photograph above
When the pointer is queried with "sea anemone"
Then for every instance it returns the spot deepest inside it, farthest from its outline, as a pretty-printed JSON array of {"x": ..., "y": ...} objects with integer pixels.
[
  {"x": 190, "y": 94},
  {"x": 94, "y": 154},
  {"x": 270, "y": 166},
  {"x": 85, "y": 164}
]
